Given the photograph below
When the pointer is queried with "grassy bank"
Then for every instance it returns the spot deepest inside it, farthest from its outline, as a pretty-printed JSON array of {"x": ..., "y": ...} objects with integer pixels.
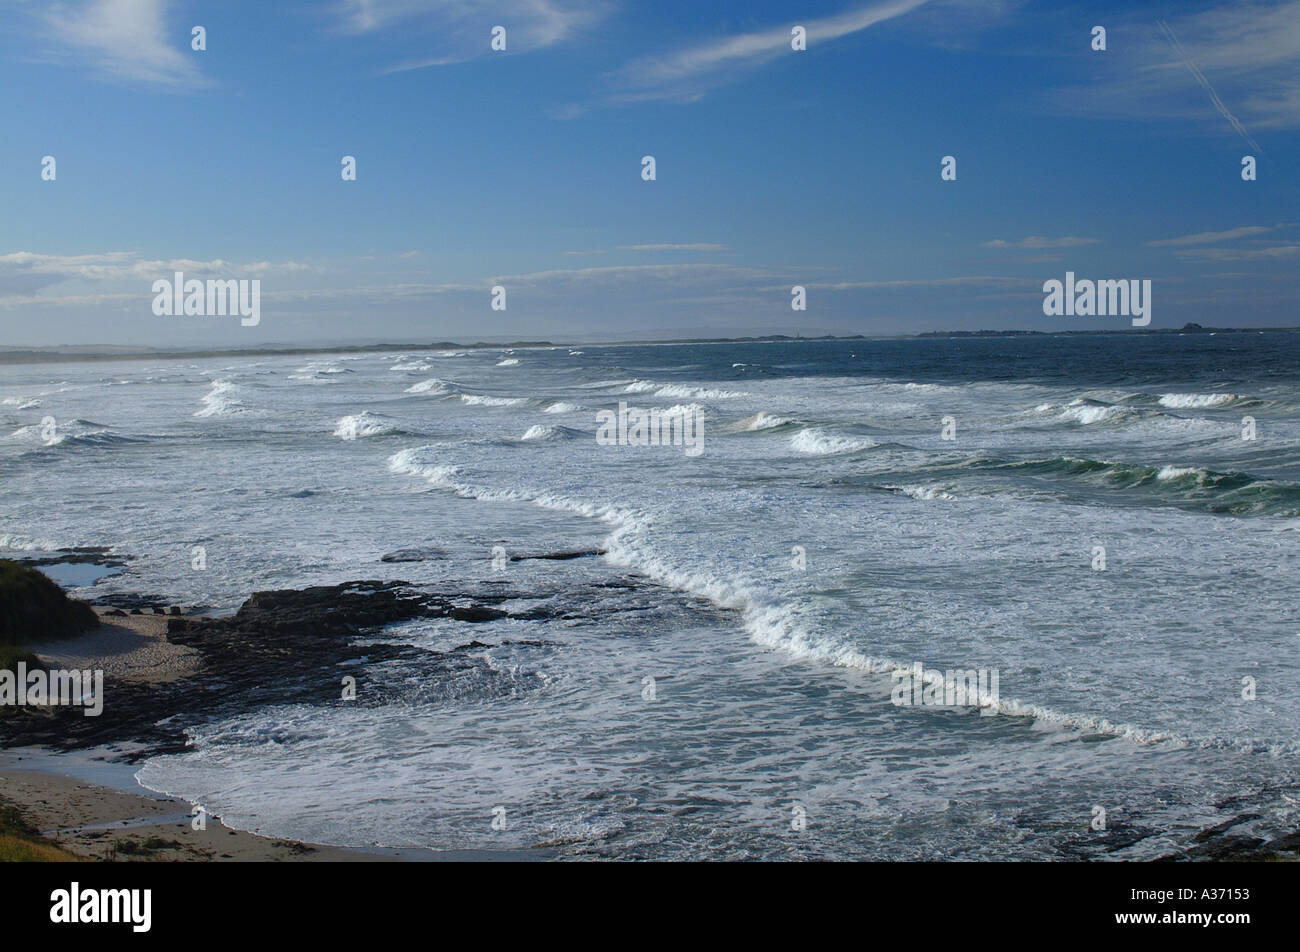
[
  {"x": 20, "y": 842},
  {"x": 34, "y": 609}
]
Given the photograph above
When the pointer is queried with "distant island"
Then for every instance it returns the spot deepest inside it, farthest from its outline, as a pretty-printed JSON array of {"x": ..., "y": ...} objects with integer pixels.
[{"x": 1189, "y": 328}]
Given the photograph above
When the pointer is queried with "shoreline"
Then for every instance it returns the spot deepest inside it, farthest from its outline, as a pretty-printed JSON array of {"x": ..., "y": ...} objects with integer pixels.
[
  {"x": 71, "y": 778},
  {"x": 105, "y": 822}
]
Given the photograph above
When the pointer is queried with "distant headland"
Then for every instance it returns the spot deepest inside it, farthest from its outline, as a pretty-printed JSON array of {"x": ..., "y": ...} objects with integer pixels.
[{"x": 95, "y": 352}]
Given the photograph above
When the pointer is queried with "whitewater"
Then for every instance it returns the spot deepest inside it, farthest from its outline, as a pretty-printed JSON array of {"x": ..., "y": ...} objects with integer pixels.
[{"x": 723, "y": 653}]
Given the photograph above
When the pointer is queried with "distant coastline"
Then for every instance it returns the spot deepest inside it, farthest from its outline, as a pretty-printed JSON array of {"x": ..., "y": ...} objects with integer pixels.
[{"x": 98, "y": 352}]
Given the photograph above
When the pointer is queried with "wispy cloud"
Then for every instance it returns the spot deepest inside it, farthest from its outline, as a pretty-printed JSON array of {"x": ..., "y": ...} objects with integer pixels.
[
  {"x": 978, "y": 280},
  {"x": 123, "y": 40},
  {"x": 1251, "y": 50},
  {"x": 453, "y": 31},
  {"x": 686, "y": 74},
  {"x": 645, "y": 276},
  {"x": 1274, "y": 252},
  {"x": 1037, "y": 242},
  {"x": 1205, "y": 84},
  {"x": 697, "y": 246},
  {"x": 24, "y": 273},
  {"x": 1212, "y": 237}
]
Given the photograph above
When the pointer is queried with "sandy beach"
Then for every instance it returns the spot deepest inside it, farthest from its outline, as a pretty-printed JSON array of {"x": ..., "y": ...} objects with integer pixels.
[
  {"x": 100, "y": 823},
  {"x": 87, "y": 802},
  {"x": 126, "y": 647}
]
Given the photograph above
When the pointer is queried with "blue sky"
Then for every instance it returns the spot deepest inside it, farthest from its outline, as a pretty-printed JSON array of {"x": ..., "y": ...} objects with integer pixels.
[{"x": 522, "y": 168}]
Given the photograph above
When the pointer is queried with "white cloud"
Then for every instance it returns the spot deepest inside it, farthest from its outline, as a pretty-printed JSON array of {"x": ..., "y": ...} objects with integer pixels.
[
  {"x": 1239, "y": 62},
  {"x": 453, "y": 31},
  {"x": 1039, "y": 242},
  {"x": 978, "y": 280},
  {"x": 24, "y": 273},
  {"x": 124, "y": 40},
  {"x": 686, "y": 74},
  {"x": 644, "y": 276},
  {"x": 1264, "y": 253},
  {"x": 1211, "y": 237},
  {"x": 698, "y": 246}
]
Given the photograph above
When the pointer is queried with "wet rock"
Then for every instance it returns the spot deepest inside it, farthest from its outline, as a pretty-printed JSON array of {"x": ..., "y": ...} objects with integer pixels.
[{"x": 289, "y": 646}]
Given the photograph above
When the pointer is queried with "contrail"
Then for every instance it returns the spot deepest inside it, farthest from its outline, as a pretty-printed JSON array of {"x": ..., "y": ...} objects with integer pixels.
[{"x": 1205, "y": 84}]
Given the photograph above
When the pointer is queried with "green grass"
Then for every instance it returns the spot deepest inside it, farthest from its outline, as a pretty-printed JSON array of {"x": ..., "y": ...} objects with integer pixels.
[
  {"x": 34, "y": 609},
  {"x": 9, "y": 658},
  {"x": 150, "y": 844},
  {"x": 20, "y": 842}
]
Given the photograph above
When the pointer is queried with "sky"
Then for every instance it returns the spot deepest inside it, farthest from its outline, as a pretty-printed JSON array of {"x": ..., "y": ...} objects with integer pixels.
[{"x": 522, "y": 168}]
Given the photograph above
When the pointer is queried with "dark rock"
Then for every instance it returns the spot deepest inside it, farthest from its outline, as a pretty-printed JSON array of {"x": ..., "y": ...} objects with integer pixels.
[
  {"x": 127, "y": 602},
  {"x": 414, "y": 555},
  {"x": 290, "y": 646},
  {"x": 78, "y": 555}
]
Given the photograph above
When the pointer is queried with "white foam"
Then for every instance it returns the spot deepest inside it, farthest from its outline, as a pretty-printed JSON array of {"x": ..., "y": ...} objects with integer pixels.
[
  {"x": 770, "y": 621},
  {"x": 682, "y": 409},
  {"x": 1196, "y": 401},
  {"x": 425, "y": 462},
  {"x": 509, "y": 362},
  {"x": 478, "y": 400},
  {"x": 364, "y": 424},
  {"x": 924, "y": 492},
  {"x": 763, "y": 421},
  {"x": 1088, "y": 412},
  {"x": 432, "y": 386},
  {"x": 678, "y": 390},
  {"x": 35, "y": 433},
  {"x": 1178, "y": 472},
  {"x": 221, "y": 400},
  {"x": 819, "y": 442},
  {"x": 26, "y": 543}
]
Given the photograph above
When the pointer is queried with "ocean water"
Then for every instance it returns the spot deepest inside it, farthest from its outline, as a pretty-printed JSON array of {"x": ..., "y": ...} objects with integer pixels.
[{"x": 695, "y": 692}]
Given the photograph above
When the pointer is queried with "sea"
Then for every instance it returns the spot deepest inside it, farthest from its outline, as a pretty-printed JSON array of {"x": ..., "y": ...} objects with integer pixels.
[{"x": 1107, "y": 523}]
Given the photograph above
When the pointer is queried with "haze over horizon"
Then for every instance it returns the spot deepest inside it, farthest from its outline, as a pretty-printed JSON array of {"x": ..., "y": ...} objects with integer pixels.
[{"x": 523, "y": 168}]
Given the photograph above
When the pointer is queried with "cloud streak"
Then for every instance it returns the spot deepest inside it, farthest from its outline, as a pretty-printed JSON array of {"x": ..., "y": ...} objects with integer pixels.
[
  {"x": 1205, "y": 84},
  {"x": 686, "y": 74},
  {"x": 455, "y": 31},
  {"x": 1211, "y": 237},
  {"x": 1038, "y": 242},
  {"x": 1251, "y": 49}
]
